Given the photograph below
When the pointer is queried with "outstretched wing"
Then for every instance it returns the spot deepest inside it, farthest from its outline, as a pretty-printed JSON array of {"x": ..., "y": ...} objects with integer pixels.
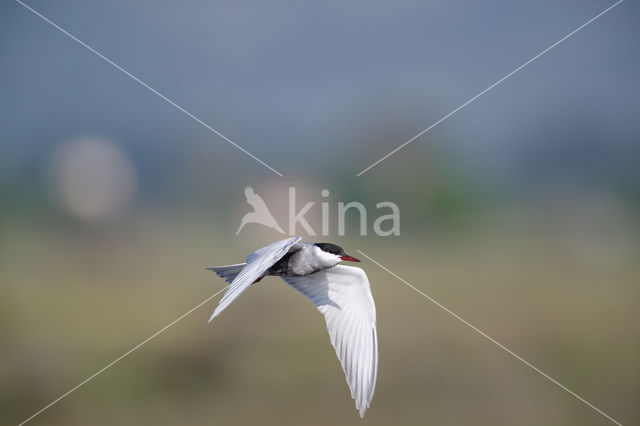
[
  {"x": 254, "y": 200},
  {"x": 261, "y": 213},
  {"x": 257, "y": 264},
  {"x": 342, "y": 294},
  {"x": 288, "y": 242}
]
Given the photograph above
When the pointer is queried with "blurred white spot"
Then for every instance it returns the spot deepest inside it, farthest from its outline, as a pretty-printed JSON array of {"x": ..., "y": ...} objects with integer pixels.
[{"x": 92, "y": 179}]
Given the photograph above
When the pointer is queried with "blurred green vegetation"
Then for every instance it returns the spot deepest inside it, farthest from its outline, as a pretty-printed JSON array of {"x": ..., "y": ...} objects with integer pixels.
[
  {"x": 521, "y": 213},
  {"x": 74, "y": 298}
]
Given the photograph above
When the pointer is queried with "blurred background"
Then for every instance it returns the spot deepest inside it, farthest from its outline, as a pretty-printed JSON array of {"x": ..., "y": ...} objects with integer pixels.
[{"x": 521, "y": 212}]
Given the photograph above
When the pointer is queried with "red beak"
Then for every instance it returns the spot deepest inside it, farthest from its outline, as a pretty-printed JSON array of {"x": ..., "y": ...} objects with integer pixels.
[{"x": 349, "y": 258}]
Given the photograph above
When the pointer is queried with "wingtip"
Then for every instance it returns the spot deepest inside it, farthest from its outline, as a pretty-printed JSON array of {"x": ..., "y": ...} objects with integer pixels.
[{"x": 361, "y": 407}]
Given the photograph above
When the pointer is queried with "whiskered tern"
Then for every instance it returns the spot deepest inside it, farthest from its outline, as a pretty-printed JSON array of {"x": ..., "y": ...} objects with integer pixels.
[{"x": 341, "y": 293}]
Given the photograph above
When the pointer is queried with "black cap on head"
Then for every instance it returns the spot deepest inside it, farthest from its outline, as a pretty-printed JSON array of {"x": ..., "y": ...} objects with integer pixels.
[
  {"x": 331, "y": 248},
  {"x": 336, "y": 250}
]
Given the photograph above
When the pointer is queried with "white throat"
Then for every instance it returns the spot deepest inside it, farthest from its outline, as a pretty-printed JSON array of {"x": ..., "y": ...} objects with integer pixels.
[{"x": 325, "y": 259}]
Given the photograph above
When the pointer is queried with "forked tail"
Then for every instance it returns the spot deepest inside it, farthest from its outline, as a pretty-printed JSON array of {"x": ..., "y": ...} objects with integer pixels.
[{"x": 228, "y": 272}]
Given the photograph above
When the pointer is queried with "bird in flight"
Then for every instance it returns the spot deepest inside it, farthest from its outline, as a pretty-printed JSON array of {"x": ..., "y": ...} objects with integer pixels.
[
  {"x": 260, "y": 213},
  {"x": 341, "y": 293}
]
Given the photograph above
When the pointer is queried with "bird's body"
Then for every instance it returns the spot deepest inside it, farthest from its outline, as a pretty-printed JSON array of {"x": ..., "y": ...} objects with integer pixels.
[
  {"x": 302, "y": 259},
  {"x": 341, "y": 294}
]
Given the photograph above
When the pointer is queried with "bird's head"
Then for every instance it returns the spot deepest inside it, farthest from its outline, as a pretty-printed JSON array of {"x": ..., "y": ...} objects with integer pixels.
[{"x": 333, "y": 253}]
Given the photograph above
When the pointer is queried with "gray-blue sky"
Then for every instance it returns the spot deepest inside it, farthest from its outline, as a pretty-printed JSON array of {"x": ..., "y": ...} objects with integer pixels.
[{"x": 287, "y": 80}]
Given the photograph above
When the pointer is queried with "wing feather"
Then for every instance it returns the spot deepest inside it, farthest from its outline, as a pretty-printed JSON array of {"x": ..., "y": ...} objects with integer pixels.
[
  {"x": 254, "y": 200},
  {"x": 257, "y": 264},
  {"x": 342, "y": 294}
]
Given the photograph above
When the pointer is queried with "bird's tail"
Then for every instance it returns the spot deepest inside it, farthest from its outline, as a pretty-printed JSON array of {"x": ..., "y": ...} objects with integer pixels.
[
  {"x": 228, "y": 272},
  {"x": 238, "y": 231}
]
